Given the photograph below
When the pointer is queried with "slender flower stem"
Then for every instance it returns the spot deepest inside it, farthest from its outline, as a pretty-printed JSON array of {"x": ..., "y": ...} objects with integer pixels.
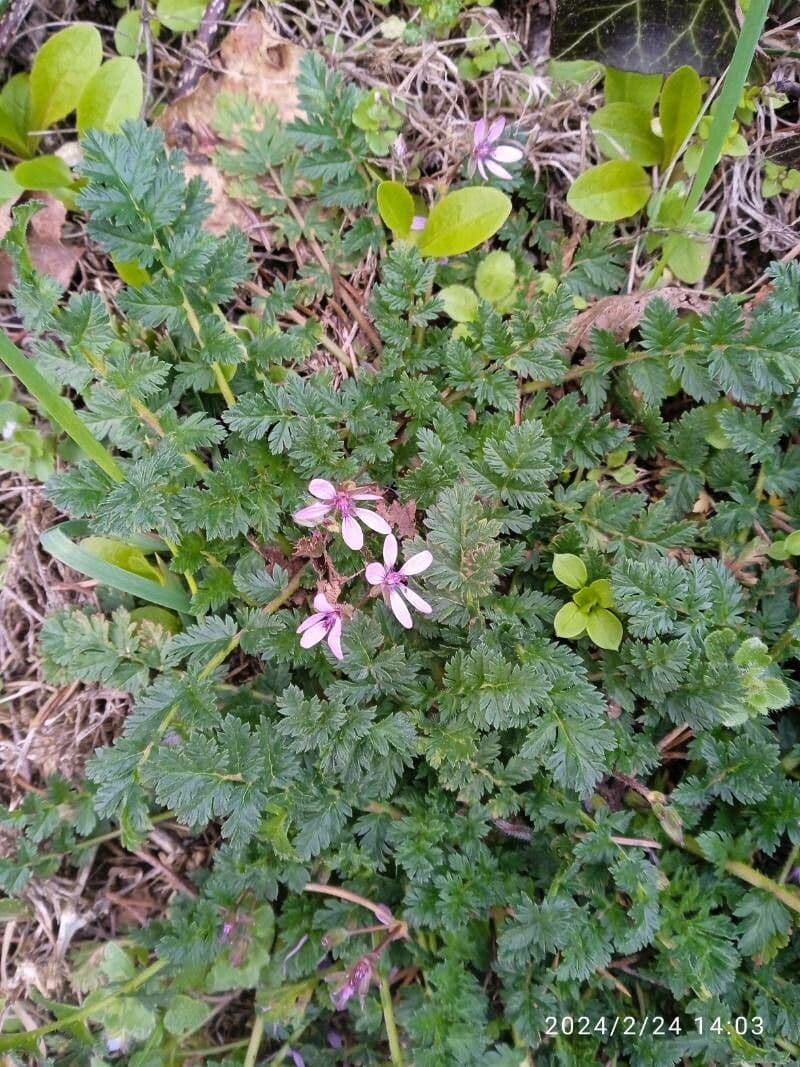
[
  {"x": 389, "y": 1022},
  {"x": 256, "y": 1034}
]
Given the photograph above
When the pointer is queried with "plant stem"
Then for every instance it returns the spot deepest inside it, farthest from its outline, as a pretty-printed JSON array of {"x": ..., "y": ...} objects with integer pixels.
[
  {"x": 256, "y": 1035},
  {"x": 10, "y": 1042},
  {"x": 389, "y": 1021},
  {"x": 724, "y": 112}
]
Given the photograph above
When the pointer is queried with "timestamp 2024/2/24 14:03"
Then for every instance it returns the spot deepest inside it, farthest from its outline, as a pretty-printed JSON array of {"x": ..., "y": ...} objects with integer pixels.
[{"x": 652, "y": 1025}]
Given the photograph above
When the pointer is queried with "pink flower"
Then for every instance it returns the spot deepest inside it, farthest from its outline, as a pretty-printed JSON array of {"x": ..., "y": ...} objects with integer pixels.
[
  {"x": 487, "y": 155},
  {"x": 326, "y": 622},
  {"x": 356, "y": 983},
  {"x": 340, "y": 501},
  {"x": 394, "y": 583}
]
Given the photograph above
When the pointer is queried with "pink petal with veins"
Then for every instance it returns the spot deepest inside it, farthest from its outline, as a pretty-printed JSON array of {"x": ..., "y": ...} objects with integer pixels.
[
  {"x": 390, "y": 551},
  {"x": 497, "y": 170},
  {"x": 314, "y": 634},
  {"x": 479, "y": 132},
  {"x": 496, "y": 129},
  {"x": 417, "y": 602},
  {"x": 352, "y": 534},
  {"x": 321, "y": 603},
  {"x": 417, "y": 563},
  {"x": 312, "y": 620},
  {"x": 375, "y": 522},
  {"x": 375, "y": 573},
  {"x": 335, "y": 639},
  {"x": 311, "y": 515},
  {"x": 401, "y": 612},
  {"x": 322, "y": 489},
  {"x": 507, "y": 153},
  {"x": 364, "y": 494}
]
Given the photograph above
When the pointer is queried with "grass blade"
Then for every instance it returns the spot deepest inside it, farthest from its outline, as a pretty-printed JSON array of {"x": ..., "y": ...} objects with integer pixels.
[
  {"x": 57, "y": 408},
  {"x": 58, "y": 544}
]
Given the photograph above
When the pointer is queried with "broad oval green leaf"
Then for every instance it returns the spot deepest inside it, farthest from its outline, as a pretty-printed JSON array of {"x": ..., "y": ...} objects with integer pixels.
[
  {"x": 628, "y": 87},
  {"x": 129, "y": 40},
  {"x": 460, "y": 302},
  {"x": 463, "y": 220},
  {"x": 61, "y": 70},
  {"x": 610, "y": 192},
  {"x": 180, "y": 16},
  {"x": 570, "y": 570},
  {"x": 678, "y": 109},
  {"x": 604, "y": 628},
  {"x": 570, "y": 621},
  {"x": 114, "y": 94},
  {"x": 647, "y": 36},
  {"x": 622, "y": 131},
  {"x": 687, "y": 257},
  {"x": 396, "y": 207},
  {"x": 495, "y": 276},
  {"x": 9, "y": 188},
  {"x": 14, "y": 108},
  {"x": 44, "y": 173}
]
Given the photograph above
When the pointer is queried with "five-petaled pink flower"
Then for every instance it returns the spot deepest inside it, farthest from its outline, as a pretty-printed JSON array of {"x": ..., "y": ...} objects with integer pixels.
[
  {"x": 326, "y": 622},
  {"x": 486, "y": 154},
  {"x": 394, "y": 583},
  {"x": 341, "y": 501}
]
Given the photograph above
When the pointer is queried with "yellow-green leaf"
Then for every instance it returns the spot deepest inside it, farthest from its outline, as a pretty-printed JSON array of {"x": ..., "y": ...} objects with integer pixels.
[
  {"x": 180, "y": 16},
  {"x": 628, "y": 87},
  {"x": 570, "y": 621},
  {"x": 114, "y": 94},
  {"x": 622, "y": 131},
  {"x": 569, "y": 569},
  {"x": 604, "y": 628},
  {"x": 463, "y": 220},
  {"x": 126, "y": 557},
  {"x": 495, "y": 277},
  {"x": 460, "y": 302},
  {"x": 61, "y": 71},
  {"x": 44, "y": 173},
  {"x": 396, "y": 207},
  {"x": 678, "y": 108},
  {"x": 614, "y": 190}
]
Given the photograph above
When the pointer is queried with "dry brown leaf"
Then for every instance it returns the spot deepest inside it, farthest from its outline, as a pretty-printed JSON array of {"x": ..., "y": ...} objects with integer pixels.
[
  {"x": 621, "y": 314},
  {"x": 49, "y": 253},
  {"x": 254, "y": 61}
]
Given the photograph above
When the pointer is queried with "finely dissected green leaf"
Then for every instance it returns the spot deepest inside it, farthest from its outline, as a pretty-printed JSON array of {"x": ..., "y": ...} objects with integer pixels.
[
  {"x": 396, "y": 207},
  {"x": 463, "y": 220},
  {"x": 647, "y": 36},
  {"x": 61, "y": 70},
  {"x": 180, "y": 16},
  {"x": 678, "y": 109},
  {"x": 58, "y": 544},
  {"x": 622, "y": 131},
  {"x": 114, "y": 94},
  {"x": 611, "y": 191}
]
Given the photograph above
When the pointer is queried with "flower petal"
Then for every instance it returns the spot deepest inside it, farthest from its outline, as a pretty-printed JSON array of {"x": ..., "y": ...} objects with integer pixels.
[
  {"x": 507, "y": 153},
  {"x": 375, "y": 573},
  {"x": 352, "y": 534},
  {"x": 496, "y": 128},
  {"x": 482, "y": 170},
  {"x": 322, "y": 604},
  {"x": 416, "y": 601},
  {"x": 479, "y": 132},
  {"x": 312, "y": 620},
  {"x": 401, "y": 612},
  {"x": 335, "y": 639},
  {"x": 418, "y": 563},
  {"x": 375, "y": 522},
  {"x": 322, "y": 489},
  {"x": 311, "y": 515},
  {"x": 365, "y": 494},
  {"x": 390, "y": 551},
  {"x": 314, "y": 634},
  {"x": 497, "y": 170}
]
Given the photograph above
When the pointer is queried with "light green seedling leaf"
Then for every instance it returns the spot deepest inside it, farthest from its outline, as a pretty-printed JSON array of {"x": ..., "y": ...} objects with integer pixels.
[
  {"x": 792, "y": 543},
  {"x": 678, "y": 108},
  {"x": 778, "y": 551},
  {"x": 159, "y": 616},
  {"x": 9, "y": 188},
  {"x": 132, "y": 273},
  {"x": 570, "y": 621},
  {"x": 605, "y": 629},
  {"x": 45, "y": 174},
  {"x": 396, "y": 207},
  {"x": 573, "y": 71},
  {"x": 15, "y": 102},
  {"x": 603, "y": 595},
  {"x": 495, "y": 277},
  {"x": 463, "y": 220},
  {"x": 129, "y": 40},
  {"x": 687, "y": 257},
  {"x": 625, "y": 475},
  {"x": 114, "y": 94},
  {"x": 185, "y": 1014},
  {"x": 10, "y": 136},
  {"x": 180, "y": 16},
  {"x": 622, "y": 131},
  {"x": 127, "y": 557},
  {"x": 570, "y": 570},
  {"x": 460, "y": 302},
  {"x": 61, "y": 71},
  {"x": 628, "y": 87},
  {"x": 613, "y": 191}
]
